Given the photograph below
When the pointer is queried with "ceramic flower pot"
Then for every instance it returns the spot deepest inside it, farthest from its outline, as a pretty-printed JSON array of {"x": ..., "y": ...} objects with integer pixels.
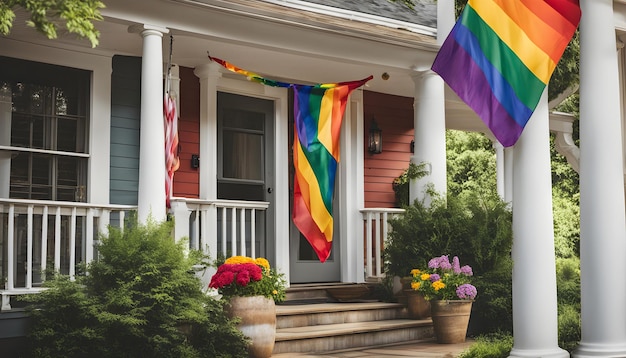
[
  {"x": 258, "y": 322},
  {"x": 417, "y": 305},
  {"x": 450, "y": 319}
]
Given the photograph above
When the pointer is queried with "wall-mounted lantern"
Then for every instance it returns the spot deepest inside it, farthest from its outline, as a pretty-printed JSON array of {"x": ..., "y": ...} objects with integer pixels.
[{"x": 375, "y": 143}]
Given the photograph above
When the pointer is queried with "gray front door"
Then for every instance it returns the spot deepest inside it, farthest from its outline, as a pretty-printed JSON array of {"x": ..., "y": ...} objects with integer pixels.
[{"x": 245, "y": 165}]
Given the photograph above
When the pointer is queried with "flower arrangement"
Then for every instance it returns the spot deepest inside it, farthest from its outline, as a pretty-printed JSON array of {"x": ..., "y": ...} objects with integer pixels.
[
  {"x": 245, "y": 276},
  {"x": 444, "y": 280}
]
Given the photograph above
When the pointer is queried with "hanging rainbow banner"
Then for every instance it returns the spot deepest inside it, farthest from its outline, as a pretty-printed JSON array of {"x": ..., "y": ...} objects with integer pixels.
[
  {"x": 500, "y": 55},
  {"x": 318, "y": 112}
]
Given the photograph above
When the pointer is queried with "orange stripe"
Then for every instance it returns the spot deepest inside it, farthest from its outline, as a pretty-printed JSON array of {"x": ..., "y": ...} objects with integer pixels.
[
  {"x": 550, "y": 16},
  {"x": 543, "y": 35}
]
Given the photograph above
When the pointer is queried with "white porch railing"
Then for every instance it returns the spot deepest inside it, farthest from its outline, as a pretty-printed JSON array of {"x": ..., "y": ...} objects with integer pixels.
[
  {"x": 36, "y": 235},
  {"x": 376, "y": 229},
  {"x": 220, "y": 227}
]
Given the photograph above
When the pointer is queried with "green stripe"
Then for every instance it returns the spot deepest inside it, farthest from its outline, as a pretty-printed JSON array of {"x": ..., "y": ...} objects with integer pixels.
[
  {"x": 525, "y": 84},
  {"x": 318, "y": 156}
]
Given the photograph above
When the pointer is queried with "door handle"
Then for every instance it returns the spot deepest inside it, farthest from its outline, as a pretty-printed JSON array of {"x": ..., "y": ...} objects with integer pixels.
[{"x": 269, "y": 190}]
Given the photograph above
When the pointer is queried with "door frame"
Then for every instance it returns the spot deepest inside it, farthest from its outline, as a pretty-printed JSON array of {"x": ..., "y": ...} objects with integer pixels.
[{"x": 212, "y": 80}]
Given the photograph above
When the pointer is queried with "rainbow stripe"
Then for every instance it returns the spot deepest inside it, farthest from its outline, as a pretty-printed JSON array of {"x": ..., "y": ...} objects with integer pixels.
[
  {"x": 318, "y": 112},
  {"x": 500, "y": 55}
]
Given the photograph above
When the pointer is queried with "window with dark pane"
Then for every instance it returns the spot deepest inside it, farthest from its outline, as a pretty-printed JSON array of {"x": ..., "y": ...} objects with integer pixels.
[{"x": 44, "y": 108}]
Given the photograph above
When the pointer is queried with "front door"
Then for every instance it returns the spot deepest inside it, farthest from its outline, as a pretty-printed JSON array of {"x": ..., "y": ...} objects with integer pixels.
[
  {"x": 304, "y": 265},
  {"x": 245, "y": 164}
]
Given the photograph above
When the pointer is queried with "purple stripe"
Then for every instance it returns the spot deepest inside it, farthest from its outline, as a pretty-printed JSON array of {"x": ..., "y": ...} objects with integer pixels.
[{"x": 467, "y": 80}]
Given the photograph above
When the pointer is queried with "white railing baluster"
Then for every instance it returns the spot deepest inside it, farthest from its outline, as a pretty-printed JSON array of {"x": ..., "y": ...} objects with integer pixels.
[
  {"x": 29, "y": 247},
  {"x": 385, "y": 226},
  {"x": 122, "y": 220},
  {"x": 379, "y": 226},
  {"x": 233, "y": 234},
  {"x": 253, "y": 232},
  {"x": 57, "y": 240},
  {"x": 194, "y": 236},
  {"x": 89, "y": 237},
  {"x": 11, "y": 249},
  {"x": 44, "y": 242},
  {"x": 73, "y": 244},
  {"x": 224, "y": 238},
  {"x": 242, "y": 232},
  {"x": 368, "y": 246}
]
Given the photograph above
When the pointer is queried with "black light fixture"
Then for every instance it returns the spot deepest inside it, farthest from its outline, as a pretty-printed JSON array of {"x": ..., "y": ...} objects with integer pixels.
[{"x": 375, "y": 143}]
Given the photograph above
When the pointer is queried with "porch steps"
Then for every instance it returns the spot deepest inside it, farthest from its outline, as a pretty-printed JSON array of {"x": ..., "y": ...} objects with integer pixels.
[{"x": 311, "y": 321}]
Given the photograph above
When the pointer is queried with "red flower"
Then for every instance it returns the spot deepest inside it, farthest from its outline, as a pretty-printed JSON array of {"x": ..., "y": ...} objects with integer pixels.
[{"x": 241, "y": 274}]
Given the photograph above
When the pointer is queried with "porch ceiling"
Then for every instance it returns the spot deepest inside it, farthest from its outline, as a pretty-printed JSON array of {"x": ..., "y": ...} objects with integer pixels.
[{"x": 272, "y": 40}]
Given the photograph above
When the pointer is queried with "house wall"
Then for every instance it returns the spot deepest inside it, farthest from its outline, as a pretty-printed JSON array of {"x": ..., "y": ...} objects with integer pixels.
[
  {"x": 186, "y": 178},
  {"x": 125, "y": 121},
  {"x": 394, "y": 116}
]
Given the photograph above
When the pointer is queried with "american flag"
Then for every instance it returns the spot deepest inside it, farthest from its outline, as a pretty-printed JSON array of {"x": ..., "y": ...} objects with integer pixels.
[{"x": 170, "y": 118}]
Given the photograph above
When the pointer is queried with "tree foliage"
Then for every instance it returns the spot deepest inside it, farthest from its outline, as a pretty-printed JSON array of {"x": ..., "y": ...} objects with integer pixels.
[{"x": 50, "y": 16}]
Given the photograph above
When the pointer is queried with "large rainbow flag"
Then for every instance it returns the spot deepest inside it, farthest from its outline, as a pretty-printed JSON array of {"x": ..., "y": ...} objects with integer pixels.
[
  {"x": 500, "y": 56},
  {"x": 318, "y": 112}
]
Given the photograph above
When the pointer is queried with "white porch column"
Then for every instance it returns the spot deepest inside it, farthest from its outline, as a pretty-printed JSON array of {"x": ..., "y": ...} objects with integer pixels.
[
  {"x": 151, "y": 196},
  {"x": 430, "y": 135},
  {"x": 602, "y": 226},
  {"x": 5, "y": 139},
  {"x": 429, "y": 121},
  {"x": 535, "y": 327}
]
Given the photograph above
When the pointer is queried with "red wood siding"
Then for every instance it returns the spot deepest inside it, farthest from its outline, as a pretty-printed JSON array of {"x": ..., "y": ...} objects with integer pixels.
[
  {"x": 187, "y": 179},
  {"x": 394, "y": 116}
]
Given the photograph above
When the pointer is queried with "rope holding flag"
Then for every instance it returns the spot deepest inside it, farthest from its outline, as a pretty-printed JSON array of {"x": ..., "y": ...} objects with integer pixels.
[
  {"x": 318, "y": 114},
  {"x": 500, "y": 55}
]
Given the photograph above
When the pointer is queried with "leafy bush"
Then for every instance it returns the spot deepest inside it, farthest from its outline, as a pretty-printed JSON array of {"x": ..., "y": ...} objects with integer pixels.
[
  {"x": 569, "y": 327},
  {"x": 493, "y": 309},
  {"x": 134, "y": 303},
  {"x": 568, "y": 294},
  {"x": 477, "y": 228},
  {"x": 497, "y": 345}
]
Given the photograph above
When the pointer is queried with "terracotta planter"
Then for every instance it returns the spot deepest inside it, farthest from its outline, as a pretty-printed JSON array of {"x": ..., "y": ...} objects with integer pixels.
[
  {"x": 450, "y": 319},
  {"x": 417, "y": 305},
  {"x": 258, "y": 322}
]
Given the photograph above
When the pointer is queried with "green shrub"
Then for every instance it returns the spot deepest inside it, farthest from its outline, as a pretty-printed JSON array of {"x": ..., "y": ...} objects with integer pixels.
[
  {"x": 496, "y": 345},
  {"x": 475, "y": 227},
  {"x": 493, "y": 309},
  {"x": 569, "y": 327},
  {"x": 133, "y": 303}
]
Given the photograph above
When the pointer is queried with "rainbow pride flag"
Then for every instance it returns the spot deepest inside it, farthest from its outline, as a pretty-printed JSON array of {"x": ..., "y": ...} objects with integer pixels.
[
  {"x": 318, "y": 113},
  {"x": 500, "y": 55}
]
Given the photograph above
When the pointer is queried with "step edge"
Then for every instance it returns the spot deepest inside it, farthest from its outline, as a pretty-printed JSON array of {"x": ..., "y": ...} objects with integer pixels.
[{"x": 341, "y": 329}]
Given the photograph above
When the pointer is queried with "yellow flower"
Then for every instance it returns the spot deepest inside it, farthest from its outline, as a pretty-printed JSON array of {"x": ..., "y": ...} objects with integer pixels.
[
  {"x": 415, "y": 272},
  {"x": 274, "y": 292},
  {"x": 415, "y": 285},
  {"x": 239, "y": 260},
  {"x": 263, "y": 262},
  {"x": 438, "y": 285},
  {"x": 424, "y": 277}
]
